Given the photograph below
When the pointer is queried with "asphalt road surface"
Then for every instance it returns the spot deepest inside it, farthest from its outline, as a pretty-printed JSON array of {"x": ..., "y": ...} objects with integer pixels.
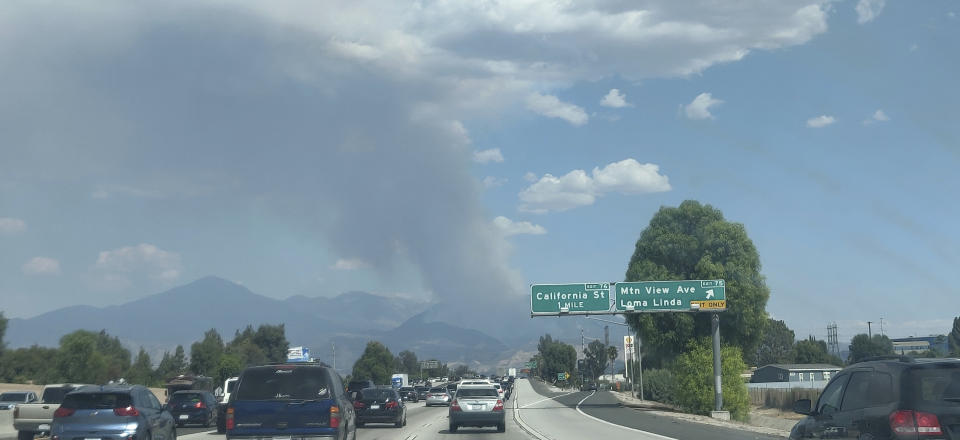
[{"x": 598, "y": 415}]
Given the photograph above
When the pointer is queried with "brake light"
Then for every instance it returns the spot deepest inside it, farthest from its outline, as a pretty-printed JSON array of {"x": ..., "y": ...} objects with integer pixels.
[
  {"x": 359, "y": 405},
  {"x": 392, "y": 404},
  {"x": 230, "y": 422},
  {"x": 199, "y": 405},
  {"x": 455, "y": 406},
  {"x": 63, "y": 412},
  {"x": 128, "y": 411},
  {"x": 429, "y": 395},
  {"x": 334, "y": 416},
  {"x": 498, "y": 406},
  {"x": 915, "y": 422}
]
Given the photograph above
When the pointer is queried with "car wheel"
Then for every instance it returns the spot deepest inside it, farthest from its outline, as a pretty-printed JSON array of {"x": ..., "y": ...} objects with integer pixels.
[
  {"x": 25, "y": 435},
  {"x": 452, "y": 427},
  {"x": 502, "y": 427}
]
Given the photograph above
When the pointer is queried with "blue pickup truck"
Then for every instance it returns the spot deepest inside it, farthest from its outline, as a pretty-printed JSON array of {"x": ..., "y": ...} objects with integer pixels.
[{"x": 296, "y": 400}]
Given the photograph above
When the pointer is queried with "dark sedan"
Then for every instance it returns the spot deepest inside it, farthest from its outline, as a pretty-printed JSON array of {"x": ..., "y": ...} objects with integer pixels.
[
  {"x": 380, "y": 405},
  {"x": 193, "y": 407}
]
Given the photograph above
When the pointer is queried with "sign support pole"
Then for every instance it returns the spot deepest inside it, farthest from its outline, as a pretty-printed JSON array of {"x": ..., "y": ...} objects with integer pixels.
[
  {"x": 636, "y": 347},
  {"x": 717, "y": 385}
]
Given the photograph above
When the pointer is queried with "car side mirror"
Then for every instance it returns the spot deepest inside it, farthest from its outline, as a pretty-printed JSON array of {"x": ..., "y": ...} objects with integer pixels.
[{"x": 802, "y": 406}]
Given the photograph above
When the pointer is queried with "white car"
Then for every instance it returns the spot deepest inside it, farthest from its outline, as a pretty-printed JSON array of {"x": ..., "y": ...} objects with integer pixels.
[{"x": 499, "y": 390}]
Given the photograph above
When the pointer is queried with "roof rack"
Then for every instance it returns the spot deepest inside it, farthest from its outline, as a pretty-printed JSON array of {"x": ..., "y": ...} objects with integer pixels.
[{"x": 888, "y": 357}]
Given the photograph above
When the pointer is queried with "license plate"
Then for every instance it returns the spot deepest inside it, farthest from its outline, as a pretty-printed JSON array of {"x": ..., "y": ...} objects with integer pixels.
[
  {"x": 374, "y": 406},
  {"x": 184, "y": 416},
  {"x": 281, "y": 438},
  {"x": 88, "y": 438},
  {"x": 44, "y": 427}
]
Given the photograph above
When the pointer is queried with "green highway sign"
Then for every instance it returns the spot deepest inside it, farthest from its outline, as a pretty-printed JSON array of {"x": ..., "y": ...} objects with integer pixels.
[
  {"x": 573, "y": 299},
  {"x": 561, "y": 376},
  {"x": 532, "y": 364},
  {"x": 671, "y": 296}
]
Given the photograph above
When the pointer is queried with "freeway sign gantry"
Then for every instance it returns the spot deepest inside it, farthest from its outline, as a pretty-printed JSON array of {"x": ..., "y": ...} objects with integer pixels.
[
  {"x": 671, "y": 296},
  {"x": 573, "y": 299}
]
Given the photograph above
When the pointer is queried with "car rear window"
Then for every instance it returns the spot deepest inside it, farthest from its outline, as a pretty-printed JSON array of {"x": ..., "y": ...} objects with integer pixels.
[
  {"x": 231, "y": 386},
  {"x": 13, "y": 397},
  {"x": 283, "y": 383},
  {"x": 935, "y": 384},
  {"x": 55, "y": 395},
  {"x": 377, "y": 394},
  {"x": 186, "y": 398},
  {"x": 438, "y": 390},
  {"x": 477, "y": 392},
  {"x": 97, "y": 401}
]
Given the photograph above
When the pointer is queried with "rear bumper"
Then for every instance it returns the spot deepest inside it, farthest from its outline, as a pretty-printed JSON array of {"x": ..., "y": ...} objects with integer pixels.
[
  {"x": 33, "y": 425},
  {"x": 478, "y": 418},
  {"x": 285, "y": 437},
  {"x": 284, "y": 434}
]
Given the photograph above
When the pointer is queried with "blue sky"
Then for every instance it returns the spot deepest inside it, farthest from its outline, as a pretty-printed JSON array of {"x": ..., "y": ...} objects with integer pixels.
[{"x": 142, "y": 147}]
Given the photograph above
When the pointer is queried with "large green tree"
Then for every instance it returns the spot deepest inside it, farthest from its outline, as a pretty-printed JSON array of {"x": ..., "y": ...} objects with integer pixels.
[
  {"x": 777, "y": 344},
  {"x": 953, "y": 339},
  {"x": 141, "y": 371},
  {"x": 863, "y": 346},
  {"x": 172, "y": 365},
  {"x": 692, "y": 242},
  {"x": 376, "y": 363},
  {"x": 596, "y": 359},
  {"x": 3, "y": 333},
  {"x": 78, "y": 359},
  {"x": 29, "y": 364},
  {"x": 555, "y": 357},
  {"x": 813, "y": 351},
  {"x": 407, "y": 363},
  {"x": 272, "y": 340},
  {"x": 205, "y": 354}
]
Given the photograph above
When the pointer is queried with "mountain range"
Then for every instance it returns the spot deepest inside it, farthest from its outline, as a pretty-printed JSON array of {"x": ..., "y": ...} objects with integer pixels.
[{"x": 344, "y": 323}]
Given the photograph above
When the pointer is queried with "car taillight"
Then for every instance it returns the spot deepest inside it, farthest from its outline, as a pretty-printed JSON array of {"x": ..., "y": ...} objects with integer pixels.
[
  {"x": 128, "y": 411},
  {"x": 429, "y": 395},
  {"x": 455, "y": 406},
  {"x": 498, "y": 406},
  {"x": 915, "y": 422},
  {"x": 63, "y": 412},
  {"x": 230, "y": 423},
  {"x": 392, "y": 404},
  {"x": 334, "y": 416},
  {"x": 359, "y": 405},
  {"x": 199, "y": 405}
]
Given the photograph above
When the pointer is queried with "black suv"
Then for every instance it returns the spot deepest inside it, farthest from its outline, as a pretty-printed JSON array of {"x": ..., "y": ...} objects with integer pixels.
[
  {"x": 889, "y": 398},
  {"x": 197, "y": 407},
  {"x": 296, "y": 400}
]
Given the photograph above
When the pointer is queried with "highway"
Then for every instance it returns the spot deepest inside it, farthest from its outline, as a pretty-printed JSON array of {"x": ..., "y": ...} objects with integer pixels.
[{"x": 544, "y": 415}]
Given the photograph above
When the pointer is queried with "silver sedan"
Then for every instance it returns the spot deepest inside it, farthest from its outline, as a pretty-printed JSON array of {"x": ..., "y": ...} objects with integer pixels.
[{"x": 438, "y": 396}]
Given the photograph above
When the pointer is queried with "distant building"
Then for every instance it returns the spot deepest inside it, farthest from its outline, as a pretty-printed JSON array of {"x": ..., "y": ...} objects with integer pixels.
[
  {"x": 920, "y": 344},
  {"x": 798, "y": 373}
]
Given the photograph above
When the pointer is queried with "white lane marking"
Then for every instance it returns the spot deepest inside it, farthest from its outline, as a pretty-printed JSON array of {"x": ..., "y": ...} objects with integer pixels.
[
  {"x": 663, "y": 437},
  {"x": 411, "y": 437},
  {"x": 548, "y": 398}
]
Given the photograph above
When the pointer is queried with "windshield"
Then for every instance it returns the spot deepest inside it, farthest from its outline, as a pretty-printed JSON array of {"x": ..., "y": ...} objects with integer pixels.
[
  {"x": 477, "y": 392},
  {"x": 97, "y": 401},
  {"x": 55, "y": 395},
  {"x": 378, "y": 394},
  {"x": 283, "y": 383}
]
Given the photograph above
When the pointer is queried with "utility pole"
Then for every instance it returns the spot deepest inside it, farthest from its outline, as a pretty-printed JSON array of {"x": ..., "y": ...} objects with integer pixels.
[
  {"x": 881, "y": 326},
  {"x": 869, "y": 332},
  {"x": 334, "y": 345},
  {"x": 606, "y": 341}
]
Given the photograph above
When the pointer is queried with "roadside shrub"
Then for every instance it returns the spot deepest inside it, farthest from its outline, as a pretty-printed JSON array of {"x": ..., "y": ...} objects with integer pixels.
[
  {"x": 694, "y": 379},
  {"x": 660, "y": 386}
]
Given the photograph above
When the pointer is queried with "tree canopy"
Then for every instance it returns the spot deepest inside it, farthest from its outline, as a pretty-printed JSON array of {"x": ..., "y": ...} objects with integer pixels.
[
  {"x": 596, "y": 359},
  {"x": 555, "y": 357},
  {"x": 376, "y": 363},
  {"x": 777, "y": 344},
  {"x": 813, "y": 351},
  {"x": 692, "y": 242},
  {"x": 863, "y": 346},
  {"x": 953, "y": 339}
]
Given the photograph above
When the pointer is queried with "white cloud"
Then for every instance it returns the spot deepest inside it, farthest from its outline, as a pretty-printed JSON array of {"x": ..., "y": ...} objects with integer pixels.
[
  {"x": 868, "y": 10},
  {"x": 530, "y": 177},
  {"x": 878, "y": 116},
  {"x": 615, "y": 99},
  {"x": 11, "y": 226},
  {"x": 552, "y": 107},
  {"x": 510, "y": 227},
  {"x": 41, "y": 266},
  {"x": 914, "y": 47},
  {"x": 699, "y": 108},
  {"x": 577, "y": 188},
  {"x": 487, "y": 156},
  {"x": 145, "y": 260},
  {"x": 349, "y": 264},
  {"x": 951, "y": 14},
  {"x": 820, "y": 121},
  {"x": 493, "y": 182}
]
